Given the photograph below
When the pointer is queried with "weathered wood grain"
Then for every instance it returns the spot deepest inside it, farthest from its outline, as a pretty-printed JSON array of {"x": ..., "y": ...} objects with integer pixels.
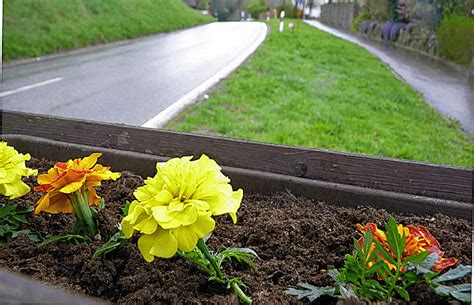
[
  {"x": 430, "y": 180},
  {"x": 251, "y": 180}
]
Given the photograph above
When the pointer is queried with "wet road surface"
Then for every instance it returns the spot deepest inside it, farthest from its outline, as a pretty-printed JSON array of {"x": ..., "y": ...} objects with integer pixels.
[
  {"x": 128, "y": 82},
  {"x": 445, "y": 88}
]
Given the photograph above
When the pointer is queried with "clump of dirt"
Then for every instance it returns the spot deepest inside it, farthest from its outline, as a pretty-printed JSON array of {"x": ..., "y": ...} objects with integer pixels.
[{"x": 298, "y": 240}]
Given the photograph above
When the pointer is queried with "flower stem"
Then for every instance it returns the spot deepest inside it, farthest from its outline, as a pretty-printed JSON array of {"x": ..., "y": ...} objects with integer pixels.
[
  {"x": 394, "y": 280},
  {"x": 80, "y": 203},
  {"x": 242, "y": 296},
  {"x": 202, "y": 246}
]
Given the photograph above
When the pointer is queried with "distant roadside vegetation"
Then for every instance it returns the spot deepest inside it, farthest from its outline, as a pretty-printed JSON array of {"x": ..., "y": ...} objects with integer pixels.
[
  {"x": 443, "y": 27},
  {"x": 309, "y": 88},
  {"x": 37, "y": 27},
  {"x": 456, "y": 39}
]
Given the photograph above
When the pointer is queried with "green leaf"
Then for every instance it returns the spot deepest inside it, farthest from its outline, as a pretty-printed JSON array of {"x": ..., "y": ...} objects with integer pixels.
[
  {"x": 126, "y": 207},
  {"x": 417, "y": 258},
  {"x": 26, "y": 210},
  {"x": 455, "y": 290},
  {"x": 12, "y": 218},
  {"x": 464, "y": 297},
  {"x": 347, "y": 293},
  {"x": 384, "y": 252},
  {"x": 373, "y": 255},
  {"x": 430, "y": 261},
  {"x": 375, "y": 267},
  {"x": 101, "y": 204},
  {"x": 403, "y": 293},
  {"x": 35, "y": 238},
  {"x": 358, "y": 249},
  {"x": 310, "y": 292},
  {"x": 367, "y": 242},
  {"x": 385, "y": 273},
  {"x": 242, "y": 255},
  {"x": 410, "y": 277},
  {"x": 456, "y": 273},
  {"x": 68, "y": 237},
  {"x": 235, "y": 280},
  {"x": 197, "y": 258},
  {"x": 6, "y": 210},
  {"x": 396, "y": 242},
  {"x": 352, "y": 269},
  {"x": 375, "y": 284},
  {"x": 20, "y": 218},
  {"x": 115, "y": 242},
  {"x": 334, "y": 273},
  {"x": 466, "y": 287},
  {"x": 17, "y": 233}
]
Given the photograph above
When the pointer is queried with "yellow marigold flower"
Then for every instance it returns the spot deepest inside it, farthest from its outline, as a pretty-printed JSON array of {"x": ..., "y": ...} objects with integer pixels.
[
  {"x": 12, "y": 169},
  {"x": 174, "y": 209},
  {"x": 66, "y": 178}
]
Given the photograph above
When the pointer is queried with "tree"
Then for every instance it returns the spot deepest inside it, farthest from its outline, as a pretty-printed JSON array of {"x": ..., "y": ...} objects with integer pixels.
[
  {"x": 226, "y": 10},
  {"x": 255, "y": 8}
]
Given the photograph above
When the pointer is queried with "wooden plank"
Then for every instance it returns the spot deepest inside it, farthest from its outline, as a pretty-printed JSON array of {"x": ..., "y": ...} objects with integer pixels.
[
  {"x": 252, "y": 180},
  {"x": 19, "y": 289},
  {"x": 431, "y": 180}
]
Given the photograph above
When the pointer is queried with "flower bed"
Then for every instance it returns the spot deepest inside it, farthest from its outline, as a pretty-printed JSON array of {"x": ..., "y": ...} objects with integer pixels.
[{"x": 298, "y": 240}]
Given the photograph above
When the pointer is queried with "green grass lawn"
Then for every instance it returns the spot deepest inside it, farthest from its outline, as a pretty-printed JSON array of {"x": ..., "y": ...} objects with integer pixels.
[
  {"x": 314, "y": 90},
  {"x": 39, "y": 27}
]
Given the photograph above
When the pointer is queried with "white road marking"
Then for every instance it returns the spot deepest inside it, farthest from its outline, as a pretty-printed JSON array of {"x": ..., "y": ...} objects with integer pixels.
[
  {"x": 166, "y": 115},
  {"x": 25, "y": 88}
]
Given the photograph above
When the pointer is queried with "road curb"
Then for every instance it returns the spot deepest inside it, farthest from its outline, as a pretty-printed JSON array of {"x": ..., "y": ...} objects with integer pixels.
[{"x": 162, "y": 118}]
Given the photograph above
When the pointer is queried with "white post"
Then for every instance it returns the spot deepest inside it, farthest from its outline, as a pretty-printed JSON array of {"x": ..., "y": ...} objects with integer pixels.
[
  {"x": 304, "y": 7},
  {"x": 282, "y": 21}
]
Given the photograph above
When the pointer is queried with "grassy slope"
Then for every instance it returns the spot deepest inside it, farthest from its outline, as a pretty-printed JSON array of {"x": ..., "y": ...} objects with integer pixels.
[
  {"x": 38, "y": 27},
  {"x": 311, "y": 89}
]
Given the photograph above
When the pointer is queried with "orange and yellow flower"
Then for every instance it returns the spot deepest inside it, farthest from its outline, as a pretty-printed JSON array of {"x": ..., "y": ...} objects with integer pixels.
[
  {"x": 68, "y": 177},
  {"x": 418, "y": 239}
]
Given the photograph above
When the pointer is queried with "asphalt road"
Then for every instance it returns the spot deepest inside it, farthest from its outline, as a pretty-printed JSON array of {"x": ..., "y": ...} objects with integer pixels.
[
  {"x": 447, "y": 89},
  {"x": 129, "y": 82}
]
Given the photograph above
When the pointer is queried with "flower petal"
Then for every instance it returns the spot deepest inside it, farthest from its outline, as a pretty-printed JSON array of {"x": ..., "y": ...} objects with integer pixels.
[
  {"x": 203, "y": 225},
  {"x": 73, "y": 186},
  {"x": 59, "y": 203},
  {"x": 186, "y": 238},
  {"x": 14, "y": 190},
  {"x": 184, "y": 218},
  {"x": 147, "y": 226},
  {"x": 164, "y": 244},
  {"x": 145, "y": 243}
]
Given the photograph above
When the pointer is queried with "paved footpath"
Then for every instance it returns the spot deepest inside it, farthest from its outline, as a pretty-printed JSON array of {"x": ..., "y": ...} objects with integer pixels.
[
  {"x": 447, "y": 89},
  {"x": 131, "y": 82}
]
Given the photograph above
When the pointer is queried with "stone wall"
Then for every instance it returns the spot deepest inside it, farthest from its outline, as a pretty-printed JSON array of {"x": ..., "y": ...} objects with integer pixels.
[
  {"x": 339, "y": 14},
  {"x": 410, "y": 35}
]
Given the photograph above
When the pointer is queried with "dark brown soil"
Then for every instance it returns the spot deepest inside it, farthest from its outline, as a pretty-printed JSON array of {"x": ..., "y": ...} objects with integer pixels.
[{"x": 297, "y": 239}]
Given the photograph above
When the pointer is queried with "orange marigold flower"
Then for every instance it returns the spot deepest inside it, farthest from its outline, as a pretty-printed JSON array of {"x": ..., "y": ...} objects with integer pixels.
[
  {"x": 66, "y": 178},
  {"x": 418, "y": 239}
]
